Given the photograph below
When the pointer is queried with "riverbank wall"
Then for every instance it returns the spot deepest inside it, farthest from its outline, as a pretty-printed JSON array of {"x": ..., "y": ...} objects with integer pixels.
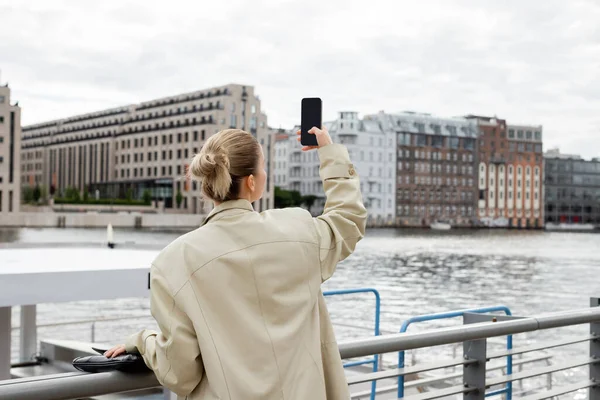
[{"x": 97, "y": 220}]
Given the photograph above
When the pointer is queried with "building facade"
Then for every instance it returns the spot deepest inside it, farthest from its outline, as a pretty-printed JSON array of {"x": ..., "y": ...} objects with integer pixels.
[
  {"x": 10, "y": 144},
  {"x": 371, "y": 152},
  {"x": 284, "y": 142},
  {"x": 510, "y": 174},
  {"x": 146, "y": 146},
  {"x": 434, "y": 162},
  {"x": 572, "y": 189}
]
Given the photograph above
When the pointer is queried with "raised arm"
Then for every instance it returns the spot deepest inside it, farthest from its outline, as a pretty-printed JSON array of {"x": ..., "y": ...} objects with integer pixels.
[{"x": 344, "y": 217}]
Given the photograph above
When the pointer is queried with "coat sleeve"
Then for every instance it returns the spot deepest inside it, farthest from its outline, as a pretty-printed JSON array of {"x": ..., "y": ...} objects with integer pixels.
[
  {"x": 344, "y": 217},
  {"x": 173, "y": 353}
]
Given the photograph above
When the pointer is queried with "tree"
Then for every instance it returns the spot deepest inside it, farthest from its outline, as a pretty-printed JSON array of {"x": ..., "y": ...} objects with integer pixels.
[
  {"x": 129, "y": 194},
  {"x": 27, "y": 193},
  {"x": 37, "y": 193},
  {"x": 43, "y": 194},
  {"x": 86, "y": 196},
  {"x": 287, "y": 198},
  {"x": 309, "y": 201},
  {"x": 147, "y": 197},
  {"x": 281, "y": 197},
  {"x": 178, "y": 198},
  {"x": 72, "y": 194},
  {"x": 296, "y": 198}
]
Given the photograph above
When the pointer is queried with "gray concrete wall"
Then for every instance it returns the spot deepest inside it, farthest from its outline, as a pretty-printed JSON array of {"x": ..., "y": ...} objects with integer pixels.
[{"x": 90, "y": 220}]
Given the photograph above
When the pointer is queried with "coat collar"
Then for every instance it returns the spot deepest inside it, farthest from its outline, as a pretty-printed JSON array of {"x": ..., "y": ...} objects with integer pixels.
[{"x": 240, "y": 204}]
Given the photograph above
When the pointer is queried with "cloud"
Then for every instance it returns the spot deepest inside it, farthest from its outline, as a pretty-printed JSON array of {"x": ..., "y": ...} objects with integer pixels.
[{"x": 532, "y": 62}]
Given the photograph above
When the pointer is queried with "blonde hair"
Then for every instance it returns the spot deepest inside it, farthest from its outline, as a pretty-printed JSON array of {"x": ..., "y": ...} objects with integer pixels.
[{"x": 226, "y": 158}]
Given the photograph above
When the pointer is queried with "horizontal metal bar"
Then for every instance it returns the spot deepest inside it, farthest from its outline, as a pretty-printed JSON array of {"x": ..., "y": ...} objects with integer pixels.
[
  {"x": 560, "y": 390},
  {"x": 538, "y": 347},
  {"x": 40, "y": 378},
  {"x": 393, "y": 373},
  {"x": 539, "y": 371},
  {"x": 82, "y": 385},
  {"x": 364, "y": 328},
  {"x": 379, "y": 390},
  {"x": 496, "y": 392},
  {"x": 438, "y": 394},
  {"x": 357, "y": 363},
  {"x": 436, "y": 337}
]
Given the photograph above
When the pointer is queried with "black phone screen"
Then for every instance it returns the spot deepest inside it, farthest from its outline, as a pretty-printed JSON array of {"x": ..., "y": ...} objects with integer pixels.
[{"x": 312, "y": 109}]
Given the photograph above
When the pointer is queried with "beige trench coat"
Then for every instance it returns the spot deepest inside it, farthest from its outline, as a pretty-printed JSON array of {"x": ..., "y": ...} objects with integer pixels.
[{"x": 239, "y": 302}]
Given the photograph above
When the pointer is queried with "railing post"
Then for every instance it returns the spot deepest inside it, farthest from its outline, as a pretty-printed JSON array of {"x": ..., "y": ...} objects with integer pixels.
[
  {"x": 93, "y": 332},
  {"x": 474, "y": 374},
  {"x": 28, "y": 347},
  {"x": 5, "y": 346},
  {"x": 594, "y": 391}
]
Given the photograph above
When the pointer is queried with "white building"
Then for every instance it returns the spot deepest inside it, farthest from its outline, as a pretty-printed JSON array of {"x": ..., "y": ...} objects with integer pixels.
[
  {"x": 372, "y": 151},
  {"x": 284, "y": 142}
]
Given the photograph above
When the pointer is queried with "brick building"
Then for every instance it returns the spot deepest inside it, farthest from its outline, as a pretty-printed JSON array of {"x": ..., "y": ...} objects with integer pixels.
[
  {"x": 435, "y": 168},
  {"x": 510, "y": 171}
]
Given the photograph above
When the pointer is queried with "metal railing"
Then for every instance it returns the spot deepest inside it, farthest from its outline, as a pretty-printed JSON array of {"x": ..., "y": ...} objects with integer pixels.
[
  {"x": 474, "y": 361},
  {"x": 372, "y": 360},
  {"x": 455, "y": 314}
]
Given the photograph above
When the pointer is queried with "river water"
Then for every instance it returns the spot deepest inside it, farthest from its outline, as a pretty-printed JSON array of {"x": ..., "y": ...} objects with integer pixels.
[{"x": 416, "y": 271}]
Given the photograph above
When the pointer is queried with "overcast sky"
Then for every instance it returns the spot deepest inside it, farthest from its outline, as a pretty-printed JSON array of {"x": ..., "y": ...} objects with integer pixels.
[{"x": 533, "y": 62}]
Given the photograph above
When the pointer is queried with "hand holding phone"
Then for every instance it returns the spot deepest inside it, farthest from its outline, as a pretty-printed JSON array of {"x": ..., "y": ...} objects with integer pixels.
[
  {"x": 312, "y": 110},
  {"x": 321, "y": 135}
]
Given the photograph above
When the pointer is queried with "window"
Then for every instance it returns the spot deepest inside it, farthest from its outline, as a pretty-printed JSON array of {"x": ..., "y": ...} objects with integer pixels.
[
  {"x": 538, "y": 135},
  {"x": 519, "y": 134},
  {"x": 437, "y": 141},
  {"x": 179, "y": 138}
]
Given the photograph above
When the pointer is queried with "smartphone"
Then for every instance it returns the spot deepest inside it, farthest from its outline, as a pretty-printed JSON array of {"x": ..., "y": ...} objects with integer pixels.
[{"x": 312, "y": 114}]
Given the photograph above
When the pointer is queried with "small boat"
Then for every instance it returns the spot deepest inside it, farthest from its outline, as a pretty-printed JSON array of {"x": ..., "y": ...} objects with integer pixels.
[
  {"x": 440, "y": 226},
  {"x": 569, "y": 227}
]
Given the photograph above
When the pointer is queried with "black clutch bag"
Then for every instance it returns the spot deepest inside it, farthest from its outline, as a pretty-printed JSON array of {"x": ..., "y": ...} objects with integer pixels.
[{"x": 126, "y": 363}]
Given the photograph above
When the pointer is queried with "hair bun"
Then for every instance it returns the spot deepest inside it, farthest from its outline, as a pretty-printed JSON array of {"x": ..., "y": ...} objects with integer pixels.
[{"x": 212, "y": 168}]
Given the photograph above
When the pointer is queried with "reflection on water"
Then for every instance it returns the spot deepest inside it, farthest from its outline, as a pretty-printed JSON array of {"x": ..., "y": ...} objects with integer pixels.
[{"x": 416, "y": 271}]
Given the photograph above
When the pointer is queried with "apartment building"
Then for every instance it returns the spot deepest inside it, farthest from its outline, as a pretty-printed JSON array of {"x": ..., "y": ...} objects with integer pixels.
[
  {"x": 510, "y": 174},
  {"x": 145, "y": 146},
  {"x": 10, "y": 142},
  {"x": 284, "y": 143},
  {"x": 572, "y": 189},
  {"x": 434, "y": 162},
  {"x": 371, "y": 152}
]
